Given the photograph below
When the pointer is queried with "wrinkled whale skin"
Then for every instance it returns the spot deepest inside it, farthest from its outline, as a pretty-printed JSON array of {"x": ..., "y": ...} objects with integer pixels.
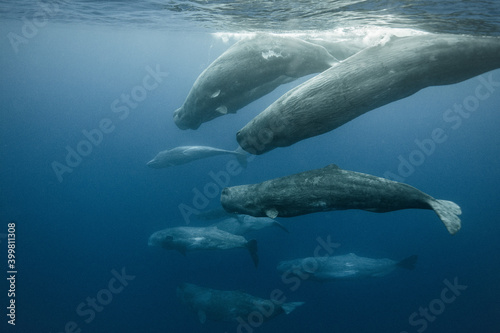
[
  {"x": 367, "y": 80},
  {"x": 248, "y": 70},
  {"x": 332, "y": 188}
]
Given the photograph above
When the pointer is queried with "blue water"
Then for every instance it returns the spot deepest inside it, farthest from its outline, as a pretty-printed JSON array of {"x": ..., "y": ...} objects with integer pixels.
[{"x": 76, "y": 232}]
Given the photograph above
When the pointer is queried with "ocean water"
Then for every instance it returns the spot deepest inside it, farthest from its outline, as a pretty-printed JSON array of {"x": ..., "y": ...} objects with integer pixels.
[{"x": 65, "y": 66}]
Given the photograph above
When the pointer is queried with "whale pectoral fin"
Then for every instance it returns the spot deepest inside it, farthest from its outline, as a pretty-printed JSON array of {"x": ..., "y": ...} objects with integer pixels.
[
  {"x": 222, "y": 109},
  {"x": 202, "y": 316},
  {"x": 181, "y": 250},
  {"x": 448, "y": 213},
  {"x": 272, "y": 213}
]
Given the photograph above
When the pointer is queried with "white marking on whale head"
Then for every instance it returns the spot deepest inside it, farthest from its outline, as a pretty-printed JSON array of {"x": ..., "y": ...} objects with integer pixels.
[
  {"x": 198, "y": 239},
  {"x": 271, "y": 53},
  {"x": 320, "y": 203},
  {"x": 215, "y": 94}
]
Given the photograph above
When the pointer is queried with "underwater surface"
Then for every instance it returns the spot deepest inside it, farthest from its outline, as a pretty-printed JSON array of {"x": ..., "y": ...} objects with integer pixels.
[{"x": 88, "y": 90}]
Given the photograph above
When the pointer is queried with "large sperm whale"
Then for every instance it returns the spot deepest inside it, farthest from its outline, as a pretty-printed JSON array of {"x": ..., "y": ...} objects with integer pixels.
[
  {"x": 248, "y": 70},
  {"x": 367, "y": 80},
  {"x": 331, "y": 188}
]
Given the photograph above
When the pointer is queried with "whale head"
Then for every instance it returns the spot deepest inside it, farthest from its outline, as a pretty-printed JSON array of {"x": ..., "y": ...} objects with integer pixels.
[
  {"x": 237, "y": 200},
  {"x": 161, "y": 238},
  {"x": 162, "y": 160},
  {"x": 153, "y": 239},
  {"x": 153, "y": 164},
  {"x": 184, "y": 120},
  {"x": 179, "y": 118}
]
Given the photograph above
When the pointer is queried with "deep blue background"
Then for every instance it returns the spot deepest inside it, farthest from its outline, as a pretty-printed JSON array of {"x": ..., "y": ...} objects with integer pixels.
[{"x": 72, "y": 234}]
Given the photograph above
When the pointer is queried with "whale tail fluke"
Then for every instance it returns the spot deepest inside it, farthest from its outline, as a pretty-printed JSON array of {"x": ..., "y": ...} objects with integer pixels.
[
  {"x": 448, "y": 213},
  {"x": 241, "y": 156},
  {"x": 408, "y": 263},
  {"x": 289, "y": 307},
  {"x": 252, "y": 248}
]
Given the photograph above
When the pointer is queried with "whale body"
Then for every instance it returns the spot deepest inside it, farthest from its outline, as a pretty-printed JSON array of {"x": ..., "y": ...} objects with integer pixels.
[
  {"x": 229, "y": 306},
  {"x": 348, "y": 266},
  {"x": 331, "y": 188},
  {"x": 369, "y": 79},
  {"x": 184, "y": 239},
  {"x": 185, "y": 154},
  {"x": 248, "y": 70}
]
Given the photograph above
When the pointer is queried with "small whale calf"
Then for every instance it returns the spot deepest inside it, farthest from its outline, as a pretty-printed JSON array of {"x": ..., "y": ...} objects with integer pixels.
[
  {"x": 332, "y": 188},
  {"x": 229, "y": 306},
  {"x": 369, "y": 79},
  {"x": 248, "y": 70},
  {"x": 185, "y": 154},
  {"x": 348, "y": 266},
  {"x": 184, "y": 239},
  {"x": 243, "y": 224}
]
